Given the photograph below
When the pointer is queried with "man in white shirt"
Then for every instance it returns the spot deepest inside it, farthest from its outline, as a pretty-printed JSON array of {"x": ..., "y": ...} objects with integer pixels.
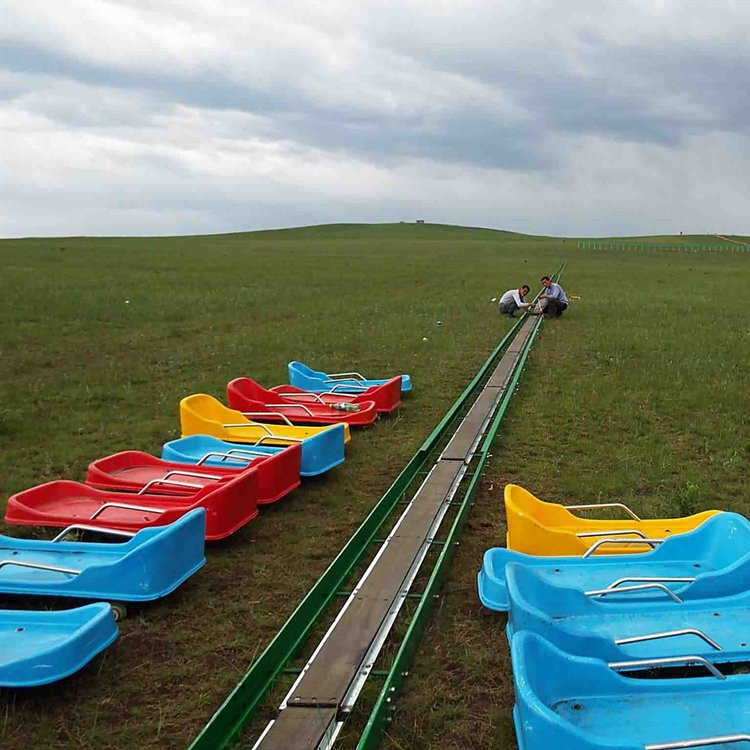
[
  {"x": 512, "y": 300},
  {"x": 554, "y": 301}
]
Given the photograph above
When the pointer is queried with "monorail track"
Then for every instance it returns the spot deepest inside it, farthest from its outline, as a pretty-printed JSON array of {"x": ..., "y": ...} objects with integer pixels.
[{"x": 351, "y": 652}]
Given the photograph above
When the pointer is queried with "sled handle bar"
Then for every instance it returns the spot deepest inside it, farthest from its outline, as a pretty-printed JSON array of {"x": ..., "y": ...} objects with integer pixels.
[
  {"x": 355, "y": 375},
  {"x": 187, "y": 473},
  {"x": 357, "y": 388},
  {"x": 668, "y": 661},
  {"x": 669, "y": 634},
  {"x": 595, "y": 546},
  {"x": 170, "y": 482},
  {"x": 127, "y": 506},
  {"x": 38, "y": 566},
  {"x": 651, "y": 579},
  {"x": 616, "y": 532},
  {"x": 726, "y": 739},
  {"x": 179, "y": 472},
  {"x": 97, "y": 529},
  {"x": 591, "y": 506},
  {"x": 639, "y": 587},
  {"x": 268, "y": 436},
  {"x": 294, "y": 406},
  {"x": 292, "y": 394},
  {"x": 283, "y": 417},
  {"x": 251, "y": 424},
  {"x": 238, "y": 455},
  {"x": 264, "y": 438}
]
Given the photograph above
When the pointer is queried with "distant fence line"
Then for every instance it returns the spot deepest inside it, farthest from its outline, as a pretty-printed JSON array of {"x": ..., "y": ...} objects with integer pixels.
[{"x": 689, "y": 248}]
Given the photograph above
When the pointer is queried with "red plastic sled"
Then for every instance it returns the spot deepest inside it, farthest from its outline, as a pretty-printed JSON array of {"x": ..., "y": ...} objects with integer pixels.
[
  {"x": 252, "y": 399},
  {"x": 134, "y": 471},
  {"x": 387, "y": 397},
  {"x": 229, "y": 505}
]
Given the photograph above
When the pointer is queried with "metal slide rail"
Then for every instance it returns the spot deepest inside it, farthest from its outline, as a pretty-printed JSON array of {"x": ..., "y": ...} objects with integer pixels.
[
  {"x": 233, "y": 716},
  {"x": 386, "y": 702}
]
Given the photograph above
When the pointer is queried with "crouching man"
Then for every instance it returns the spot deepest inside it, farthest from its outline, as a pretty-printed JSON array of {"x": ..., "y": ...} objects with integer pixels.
[
  {"x": 553, "y": 301},
  {"x": 512, "y": 300}
]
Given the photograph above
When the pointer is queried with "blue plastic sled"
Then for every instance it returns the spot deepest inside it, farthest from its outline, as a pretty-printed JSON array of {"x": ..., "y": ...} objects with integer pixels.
[
  {"x": 194, "y": 448},
  {"x": 302, "y": 376},
  {"x": 37, "y": 648},
  {"x": 573, "y": 703},
  {"x": 319, "y": 453},
  {"x": 583, "y": 625},
  {"x": 716, "y": 556},
  {"x": 149, "y": 565}
]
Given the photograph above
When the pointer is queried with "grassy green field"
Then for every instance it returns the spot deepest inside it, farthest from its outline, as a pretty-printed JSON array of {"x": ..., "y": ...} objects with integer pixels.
[{"x": 639, "y": 393}]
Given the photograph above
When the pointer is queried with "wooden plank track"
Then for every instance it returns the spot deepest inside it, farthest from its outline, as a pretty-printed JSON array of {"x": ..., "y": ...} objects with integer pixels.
[
  {"x": 522, "y": 336},
  {"x": 502, "y": 373},
  {"x": 338, "y": 660},
  {"x": 461, "y": 445},
  {"x": 302, "y": 730}
]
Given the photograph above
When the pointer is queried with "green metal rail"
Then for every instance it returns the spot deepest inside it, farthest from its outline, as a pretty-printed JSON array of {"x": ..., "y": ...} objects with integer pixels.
[{"x": 227, "y": 724}]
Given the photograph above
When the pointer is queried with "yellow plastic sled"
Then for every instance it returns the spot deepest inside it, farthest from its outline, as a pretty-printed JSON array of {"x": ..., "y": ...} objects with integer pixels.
[
  {"x": 201, "y": 414},
  {"x": 539, "y": 528}
]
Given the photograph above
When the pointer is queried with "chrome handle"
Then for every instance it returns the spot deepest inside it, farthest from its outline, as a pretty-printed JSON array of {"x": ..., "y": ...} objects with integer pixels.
[
  {"x": 640, "y": 587},
  {"x": 358, "y": 388},
  {"x": 293, "y": 406},
  {"x": 251, "y": 424},
  {"x": 354, "y": 375},
  {"x": 595, "y": 546},
  {"x": 726, "y": 739},
  {"x": 651, "y": 579},
  {"x": 669, "y": 634},
  {"x": 278, "y": 438},
  {"x": 590, "y": 506},
  {"x": 126, "y": 506},
  {"x": 283, "y": 417},
  {"x": 170, "y": 482},
  {"x": 313, "y": 396},
  {"x": 39, "y": 566},
  {"x": 97, "y": 529},
  {"x": 667, "y": 661}
]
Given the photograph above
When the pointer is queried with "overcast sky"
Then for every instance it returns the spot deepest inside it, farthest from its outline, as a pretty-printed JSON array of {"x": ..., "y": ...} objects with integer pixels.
[{"x": 575, "y": 117}]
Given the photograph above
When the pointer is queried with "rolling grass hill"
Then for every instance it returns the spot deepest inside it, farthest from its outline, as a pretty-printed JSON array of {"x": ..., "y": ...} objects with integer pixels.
[{"x": 638, "y": 394}]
